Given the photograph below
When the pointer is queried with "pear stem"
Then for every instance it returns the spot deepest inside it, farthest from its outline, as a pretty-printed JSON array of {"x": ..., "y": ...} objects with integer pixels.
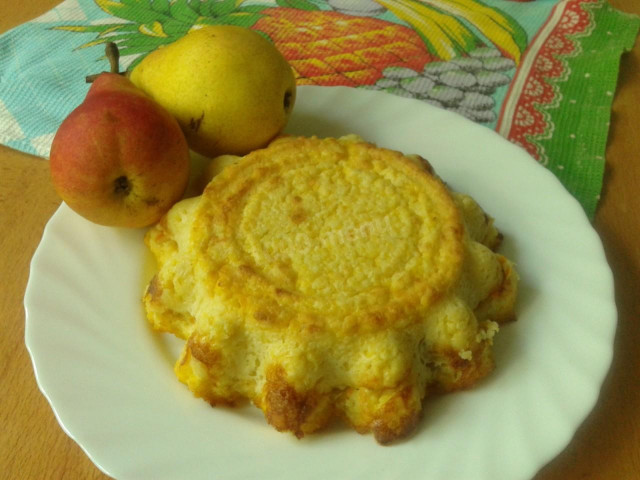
[{"x": 113, "y": 55}]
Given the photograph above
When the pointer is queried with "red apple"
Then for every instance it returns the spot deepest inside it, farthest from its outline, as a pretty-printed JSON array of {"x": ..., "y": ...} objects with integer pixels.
[{"x": 119, "y": 158}]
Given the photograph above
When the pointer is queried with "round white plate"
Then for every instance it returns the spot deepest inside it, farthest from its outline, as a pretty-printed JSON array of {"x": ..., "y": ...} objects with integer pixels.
[{"x": 110, "y": 382}]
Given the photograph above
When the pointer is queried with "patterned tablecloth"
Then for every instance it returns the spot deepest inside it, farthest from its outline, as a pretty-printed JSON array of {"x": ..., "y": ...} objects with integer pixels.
[{"x": 542, "y": 73}]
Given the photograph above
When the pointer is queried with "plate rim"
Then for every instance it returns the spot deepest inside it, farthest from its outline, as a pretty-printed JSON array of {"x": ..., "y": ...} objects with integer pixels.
[{"x": 571, "y": 202}]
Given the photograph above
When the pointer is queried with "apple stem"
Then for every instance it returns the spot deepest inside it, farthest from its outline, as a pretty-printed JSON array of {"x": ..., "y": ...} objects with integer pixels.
[{"x": 113, "y": 55}]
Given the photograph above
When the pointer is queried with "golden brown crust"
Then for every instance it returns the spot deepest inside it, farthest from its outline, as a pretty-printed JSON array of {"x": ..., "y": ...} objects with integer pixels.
[
  {"x": 499, "y": 305},
  {"x": 323, "y": 278},
  {"x": 288, "y": 410},
  {"x": 239, "y": 225},
  {"x": 398, "y": 417}
]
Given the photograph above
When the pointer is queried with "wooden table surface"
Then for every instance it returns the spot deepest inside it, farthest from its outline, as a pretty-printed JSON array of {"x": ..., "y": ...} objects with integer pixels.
[{"x": 606, "y": 446}]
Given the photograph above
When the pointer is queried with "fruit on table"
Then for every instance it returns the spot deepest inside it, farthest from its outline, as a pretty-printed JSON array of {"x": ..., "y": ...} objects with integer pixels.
[
  {"x": 119, "y": 158},
  {"x": 230, "y": 89}
]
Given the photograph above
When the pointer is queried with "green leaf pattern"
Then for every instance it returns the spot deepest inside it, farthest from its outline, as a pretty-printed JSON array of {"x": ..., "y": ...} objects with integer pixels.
[{"x": 159, "y": 22}]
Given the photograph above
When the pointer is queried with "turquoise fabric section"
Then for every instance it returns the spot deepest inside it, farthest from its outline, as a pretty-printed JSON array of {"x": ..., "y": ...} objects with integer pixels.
[{"x": 462, "y": 55}]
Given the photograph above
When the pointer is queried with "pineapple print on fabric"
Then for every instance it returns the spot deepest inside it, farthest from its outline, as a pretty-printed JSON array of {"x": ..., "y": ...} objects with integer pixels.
[{"x": 452, "y": 53}]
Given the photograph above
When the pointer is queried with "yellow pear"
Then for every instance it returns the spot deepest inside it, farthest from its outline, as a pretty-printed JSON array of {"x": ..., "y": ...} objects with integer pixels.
[{"x": 230, "y": 89}]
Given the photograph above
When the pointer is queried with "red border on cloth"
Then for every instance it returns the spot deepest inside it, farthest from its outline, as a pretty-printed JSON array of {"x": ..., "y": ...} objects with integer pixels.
[{"x": 522, "y": 117}]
